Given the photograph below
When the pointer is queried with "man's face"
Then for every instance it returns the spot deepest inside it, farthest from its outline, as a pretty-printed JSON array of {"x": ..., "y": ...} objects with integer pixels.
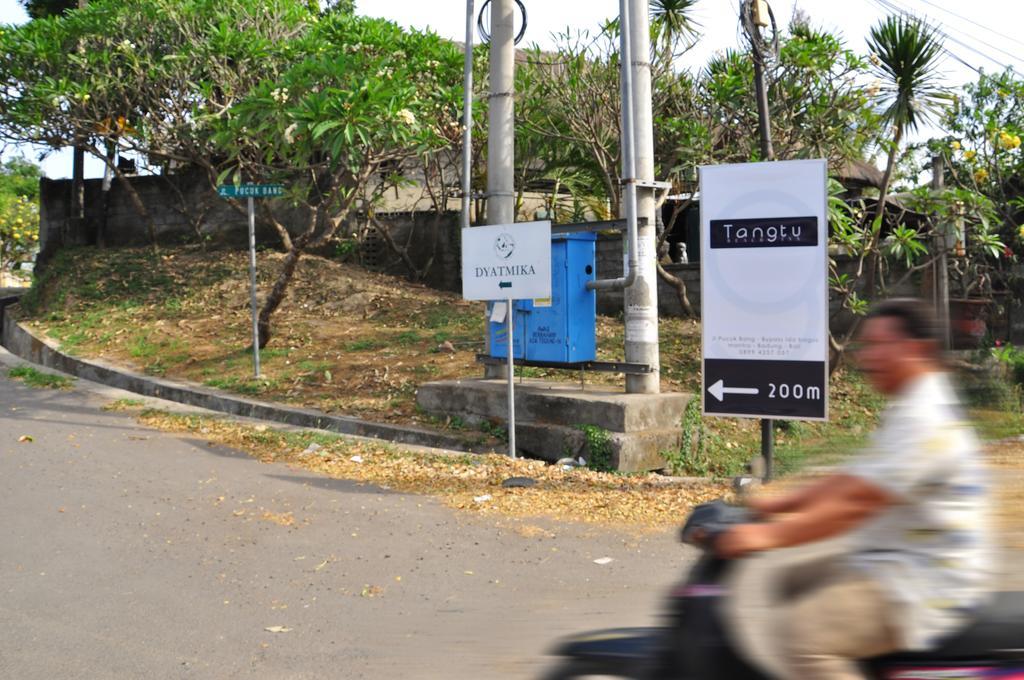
[{"x": 885, "y": 353}]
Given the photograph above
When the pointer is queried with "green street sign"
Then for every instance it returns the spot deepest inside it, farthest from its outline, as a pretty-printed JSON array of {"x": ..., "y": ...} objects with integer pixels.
[{"x": 250, "y": 190}]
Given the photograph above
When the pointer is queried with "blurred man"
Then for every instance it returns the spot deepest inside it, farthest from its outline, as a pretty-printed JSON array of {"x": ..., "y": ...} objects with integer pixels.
[{"x": 910, "y": 557}]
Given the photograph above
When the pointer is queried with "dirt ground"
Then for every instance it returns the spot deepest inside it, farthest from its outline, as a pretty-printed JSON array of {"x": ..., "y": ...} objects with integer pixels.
[{"x": 346, "y": 340}]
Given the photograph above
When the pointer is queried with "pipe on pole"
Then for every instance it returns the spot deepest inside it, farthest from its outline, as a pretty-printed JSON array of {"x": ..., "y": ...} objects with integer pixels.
[
  {"x": 641, "y": 313},
  {"x": 628, "y": 159},
  {"x": 467, "y": 118}
]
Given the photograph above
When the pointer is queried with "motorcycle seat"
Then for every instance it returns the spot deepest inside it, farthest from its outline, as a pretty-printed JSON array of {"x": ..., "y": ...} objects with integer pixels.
[{"x": 997, "y": 633}]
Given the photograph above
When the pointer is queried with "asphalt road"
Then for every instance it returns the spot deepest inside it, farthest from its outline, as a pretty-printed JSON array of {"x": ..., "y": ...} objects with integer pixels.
[{"x": 129, "y": 553}]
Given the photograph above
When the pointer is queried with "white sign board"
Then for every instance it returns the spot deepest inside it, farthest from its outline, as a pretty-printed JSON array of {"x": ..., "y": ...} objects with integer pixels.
[
  {"x": 764, "y": 289},
  {"x": 507, "y": 261}
]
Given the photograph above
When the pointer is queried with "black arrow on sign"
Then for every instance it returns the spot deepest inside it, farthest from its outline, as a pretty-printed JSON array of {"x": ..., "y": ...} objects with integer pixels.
[{"x": 505, "y": 284}]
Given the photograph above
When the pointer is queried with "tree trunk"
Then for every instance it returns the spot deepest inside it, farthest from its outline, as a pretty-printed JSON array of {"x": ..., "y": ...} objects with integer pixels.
[
  {"x": 278, "y": 292},
  {"x": 874, "y": 254},
  {"x": 680, "y": 287}
]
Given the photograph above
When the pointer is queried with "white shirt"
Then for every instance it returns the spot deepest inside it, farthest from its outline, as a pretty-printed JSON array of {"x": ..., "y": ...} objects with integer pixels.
[{"x": 932, "y": 549}]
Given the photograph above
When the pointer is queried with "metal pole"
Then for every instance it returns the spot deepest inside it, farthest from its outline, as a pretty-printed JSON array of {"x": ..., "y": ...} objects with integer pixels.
[
  {"x": 767, "y": 154},
  {"x": 641, "y": 298},
  {"x": 767, "y": 447},
  {"x": 760, "y": 88},
  {"x": 764, "y": 122},
  {"x": 252, "y": 284},
  {"x": 511, "y": 385},
  {"x": 467, "y": 118}
]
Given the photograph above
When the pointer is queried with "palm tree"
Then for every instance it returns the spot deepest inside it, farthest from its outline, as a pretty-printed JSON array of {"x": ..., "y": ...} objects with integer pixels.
[
  {"x": 905, "y": 53},
  {"x": 672, "y": 22}
]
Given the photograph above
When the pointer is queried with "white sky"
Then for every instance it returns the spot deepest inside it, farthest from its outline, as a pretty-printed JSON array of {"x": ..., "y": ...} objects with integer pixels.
[{"x": 989, "y": 42}]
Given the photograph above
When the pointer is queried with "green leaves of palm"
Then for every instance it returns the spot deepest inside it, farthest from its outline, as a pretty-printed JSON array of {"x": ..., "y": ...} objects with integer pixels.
[
  {"x": 672, "y": 21},
  {"x": 908, "y": 52}
]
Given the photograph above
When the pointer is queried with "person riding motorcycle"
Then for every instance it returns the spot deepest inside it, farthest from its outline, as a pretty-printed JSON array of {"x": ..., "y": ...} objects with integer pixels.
[{"x": 909, "y": 551}]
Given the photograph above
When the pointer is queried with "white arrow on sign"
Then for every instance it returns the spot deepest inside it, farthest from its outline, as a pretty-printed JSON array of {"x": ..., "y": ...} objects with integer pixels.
[{"x": 718, "y": 390}]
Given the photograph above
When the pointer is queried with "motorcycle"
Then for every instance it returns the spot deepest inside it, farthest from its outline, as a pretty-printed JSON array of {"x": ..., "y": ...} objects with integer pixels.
[{"x": 694, "y": 644}]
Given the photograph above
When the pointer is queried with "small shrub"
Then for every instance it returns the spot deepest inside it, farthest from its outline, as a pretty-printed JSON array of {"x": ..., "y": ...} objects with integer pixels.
[{"x": 599, "y": 447}]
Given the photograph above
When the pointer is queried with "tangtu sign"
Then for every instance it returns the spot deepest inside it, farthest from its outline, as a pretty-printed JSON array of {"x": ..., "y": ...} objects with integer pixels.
[
  {"x": 507, "y": 261},
  {"x": 764, "y": 289}
]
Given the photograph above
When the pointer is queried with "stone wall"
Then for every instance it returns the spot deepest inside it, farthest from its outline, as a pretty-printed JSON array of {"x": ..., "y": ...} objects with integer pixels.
[
  {"x": 184, "y": 209},
  {"x": 610, "y": 266}
]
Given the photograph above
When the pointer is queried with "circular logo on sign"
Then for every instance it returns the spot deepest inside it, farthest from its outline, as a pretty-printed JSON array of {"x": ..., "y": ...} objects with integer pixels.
[{"x": 504, "y": 246}]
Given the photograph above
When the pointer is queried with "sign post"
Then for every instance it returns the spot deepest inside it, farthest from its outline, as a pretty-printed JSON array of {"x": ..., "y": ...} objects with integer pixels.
[
  {"x": 252, "y": 192},
  {"x": 502, "y": 263},
  {"x": 764, "y": 292}
]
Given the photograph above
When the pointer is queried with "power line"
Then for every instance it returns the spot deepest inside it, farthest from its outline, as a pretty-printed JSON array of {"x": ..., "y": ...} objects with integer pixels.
[
  {"x": 971, "y": 21},
  {"x": 889, "y": 6},
  {"x": 939, "y": 23}
]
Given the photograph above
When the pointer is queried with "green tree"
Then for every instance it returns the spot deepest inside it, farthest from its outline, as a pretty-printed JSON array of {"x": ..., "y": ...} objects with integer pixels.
[
  {"x": 19, "y": 211},
  {"x": 673, "y": 26},
  {"x": 905, "y": 54},
  {"x": 19, "y": 231},
  {"x": 19, "y": 177},
  {"x": 40, "y": 9},
  {"x": 983, "y": 155},
  {"x": 360, "y": 100},
  {"x": 331, "y": 104},
  {"x": 145, "y": 76}
]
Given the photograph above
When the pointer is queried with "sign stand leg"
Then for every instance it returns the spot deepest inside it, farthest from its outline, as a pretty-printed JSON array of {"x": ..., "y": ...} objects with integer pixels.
[
  {"x": 252, "y": 283},
  {"x": 511, "y": 386},
  {"x": 767, "y": 446}
]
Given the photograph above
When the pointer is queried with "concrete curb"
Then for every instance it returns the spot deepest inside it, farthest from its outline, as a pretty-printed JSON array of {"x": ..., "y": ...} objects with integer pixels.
[{"x": 19, "y": 341}]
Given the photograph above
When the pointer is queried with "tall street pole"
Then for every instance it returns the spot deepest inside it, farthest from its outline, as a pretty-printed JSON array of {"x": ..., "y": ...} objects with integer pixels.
[
  {"x": 641, "y": 313},
  {"x": 756, "y": 15},
  {"x": 501, "y": 130}
]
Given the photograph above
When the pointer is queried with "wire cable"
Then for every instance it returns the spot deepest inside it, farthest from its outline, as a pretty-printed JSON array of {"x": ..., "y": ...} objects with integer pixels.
[
  {"x": 888, "y": 7},
  {"x": 939, "y": 25},
  {"x": 971, "y": 21}
]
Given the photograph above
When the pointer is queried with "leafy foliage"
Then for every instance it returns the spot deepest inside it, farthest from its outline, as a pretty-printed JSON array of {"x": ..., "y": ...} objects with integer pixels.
[
  {"x": 19, "y": 231},
  {"x": 38, "y": 9}
]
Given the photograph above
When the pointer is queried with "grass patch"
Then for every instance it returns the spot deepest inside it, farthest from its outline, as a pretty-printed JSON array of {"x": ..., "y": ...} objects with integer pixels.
[
  {"x": 38, "y": 379},
  {"x": 249, "y": 386},
  {"x": 994, "y": 424},
  {"x": 364, "y": 345},
  {"x": 407, "y": 338},
  {"x": 124, "y": 405}
]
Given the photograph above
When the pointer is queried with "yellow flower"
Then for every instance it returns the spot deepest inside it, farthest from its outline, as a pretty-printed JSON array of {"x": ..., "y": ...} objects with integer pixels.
[
  {"x": 970, "y": 154},
  {"x": 955, "y": 145},
  {"x": 1020, "y": 232},
  {"x": 980, "y": 175}
]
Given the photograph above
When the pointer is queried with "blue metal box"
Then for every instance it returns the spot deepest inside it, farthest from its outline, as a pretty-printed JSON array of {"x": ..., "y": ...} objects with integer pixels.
[{"x": 562, "y": 329}]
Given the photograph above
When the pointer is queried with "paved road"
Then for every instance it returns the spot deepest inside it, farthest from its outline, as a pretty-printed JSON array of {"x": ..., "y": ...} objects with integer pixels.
[{"x": 128, "y": 553}]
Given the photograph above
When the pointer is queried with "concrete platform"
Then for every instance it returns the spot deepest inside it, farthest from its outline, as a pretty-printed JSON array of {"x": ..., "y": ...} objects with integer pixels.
[{"x": 640, "y": 427}]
